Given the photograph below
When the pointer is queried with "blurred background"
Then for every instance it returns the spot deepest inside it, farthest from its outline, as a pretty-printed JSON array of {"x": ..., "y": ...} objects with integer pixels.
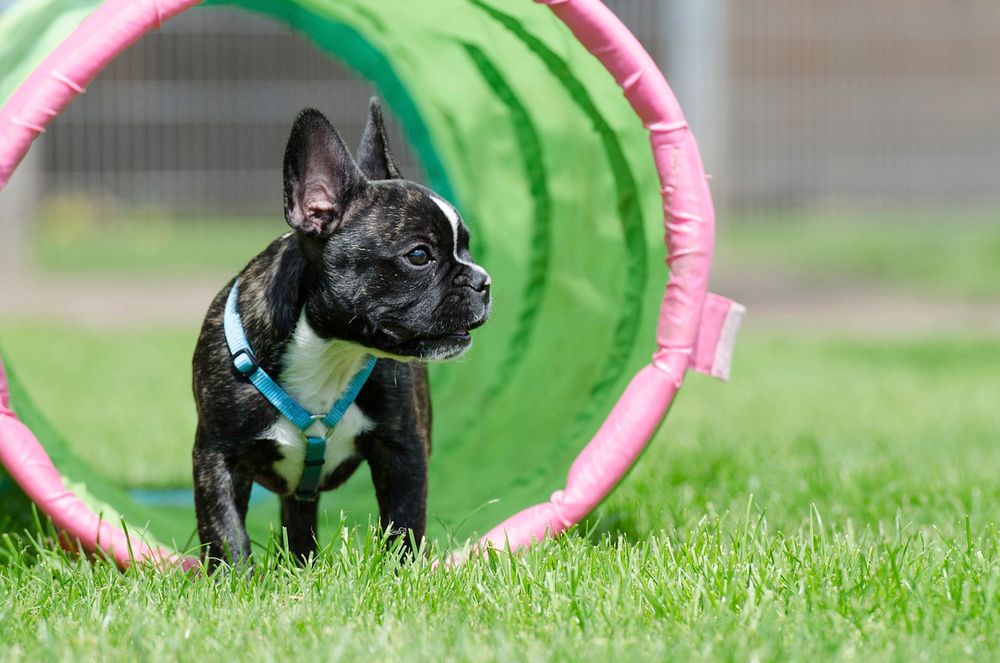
[{"x": 851, "y": 144}]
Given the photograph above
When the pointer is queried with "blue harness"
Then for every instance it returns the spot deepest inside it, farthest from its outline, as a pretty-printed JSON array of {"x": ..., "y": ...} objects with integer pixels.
[{"x": 246, "y": 363}]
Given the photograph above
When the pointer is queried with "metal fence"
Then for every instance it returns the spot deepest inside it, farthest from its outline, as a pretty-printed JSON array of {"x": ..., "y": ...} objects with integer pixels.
[
  {"x": 805, "y": 102},
  {"x": 896, "y": 101},
  {"x": 195, "y": 116}
]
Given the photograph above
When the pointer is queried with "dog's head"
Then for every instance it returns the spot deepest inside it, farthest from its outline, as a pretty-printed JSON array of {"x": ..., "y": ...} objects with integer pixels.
[{"x": 390, "y": 258}]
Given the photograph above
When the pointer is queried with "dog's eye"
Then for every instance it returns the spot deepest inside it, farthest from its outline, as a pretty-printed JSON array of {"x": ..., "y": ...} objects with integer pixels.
[{"x": 419, "y": 256}]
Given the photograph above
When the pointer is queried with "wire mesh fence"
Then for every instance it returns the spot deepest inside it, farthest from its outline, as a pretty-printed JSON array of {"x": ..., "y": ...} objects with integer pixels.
[
  {"x": 194, "y": 117},
  {"x": 893, "y": 102},
  {"x": 853, "y": 102}
]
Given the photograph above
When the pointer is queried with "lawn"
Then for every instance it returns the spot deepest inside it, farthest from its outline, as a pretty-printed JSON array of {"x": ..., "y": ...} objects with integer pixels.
[
  {"x": 157, "y": 246},
  {"x": 941, "y": 252},
  {"x": 945, "y": 252},
  {"x": 837, "y": 500}
]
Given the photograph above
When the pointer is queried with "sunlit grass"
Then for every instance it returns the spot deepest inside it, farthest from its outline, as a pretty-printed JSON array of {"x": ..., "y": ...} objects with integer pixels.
[
  {"x": 937, "y": 252},
  {"x": 724, "y": 587},
  {"x": 836, "y": 500},
  {"x": 941, "y": 253},
  {"x": 152, "y": 246}
]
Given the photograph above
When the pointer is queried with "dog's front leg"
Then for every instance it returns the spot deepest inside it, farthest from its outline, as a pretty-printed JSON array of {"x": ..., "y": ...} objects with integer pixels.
[
  {"x": 221, "y": 497},
  {"x": 399, "y": 472},
  {"x": 298, "y": 518}
]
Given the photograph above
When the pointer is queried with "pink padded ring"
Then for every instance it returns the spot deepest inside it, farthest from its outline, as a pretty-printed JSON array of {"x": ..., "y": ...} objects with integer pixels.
[{"x": 684, "y": 340}]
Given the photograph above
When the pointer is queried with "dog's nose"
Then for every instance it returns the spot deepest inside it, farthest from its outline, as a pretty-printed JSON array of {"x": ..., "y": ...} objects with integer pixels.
[
  {"x": 480, "y": 280},
  {"x": 476, "y": 278}
]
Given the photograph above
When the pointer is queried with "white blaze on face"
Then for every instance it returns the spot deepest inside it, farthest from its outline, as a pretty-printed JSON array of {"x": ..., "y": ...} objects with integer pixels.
[{"x": 452, "y": 216}]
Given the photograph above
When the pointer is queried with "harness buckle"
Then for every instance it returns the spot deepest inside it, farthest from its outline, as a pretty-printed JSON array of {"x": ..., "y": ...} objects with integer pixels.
[
  {"x": 245, "y": 362},
  {"x": 327, "y": 430}
]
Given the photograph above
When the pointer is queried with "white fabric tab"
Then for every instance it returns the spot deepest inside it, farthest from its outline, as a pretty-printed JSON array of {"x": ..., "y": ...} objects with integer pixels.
[{"x": 720, "y": 323}]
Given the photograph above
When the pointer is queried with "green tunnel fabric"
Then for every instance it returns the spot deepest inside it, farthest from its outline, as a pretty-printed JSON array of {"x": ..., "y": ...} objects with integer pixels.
[{"x": 531, "y": 138}]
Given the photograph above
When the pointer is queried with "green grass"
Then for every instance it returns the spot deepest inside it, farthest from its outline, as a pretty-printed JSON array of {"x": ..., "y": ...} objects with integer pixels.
[
  {"x": 951, "y": 253},
  {"x": 944, "y": 252},
  {"x": 837, "y": 500},
  {"x": 151, "y": 246},
  {"x": 112, "y": 392},
  {"x": 724, "y": 589}
]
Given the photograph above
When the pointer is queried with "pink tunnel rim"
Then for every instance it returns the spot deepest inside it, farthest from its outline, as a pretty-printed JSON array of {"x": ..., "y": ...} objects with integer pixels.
[{"x": 689, "y": 221}]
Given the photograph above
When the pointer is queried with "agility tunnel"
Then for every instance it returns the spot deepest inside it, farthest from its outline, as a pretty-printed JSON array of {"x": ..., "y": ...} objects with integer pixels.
[{"x": 570, "y": 188}]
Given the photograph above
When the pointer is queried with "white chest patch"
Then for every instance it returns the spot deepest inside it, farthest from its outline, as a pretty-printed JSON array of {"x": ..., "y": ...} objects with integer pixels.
[{"x": 316, "y": 373}]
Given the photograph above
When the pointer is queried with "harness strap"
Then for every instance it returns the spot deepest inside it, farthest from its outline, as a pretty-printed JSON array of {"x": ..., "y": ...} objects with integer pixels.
[
  {"x": 246, "y": 363},
  {"x": 313, "y": 469}
]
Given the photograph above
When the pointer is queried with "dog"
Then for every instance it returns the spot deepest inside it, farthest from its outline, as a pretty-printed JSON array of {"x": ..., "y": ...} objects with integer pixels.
[{"x": 375, "y": 276}]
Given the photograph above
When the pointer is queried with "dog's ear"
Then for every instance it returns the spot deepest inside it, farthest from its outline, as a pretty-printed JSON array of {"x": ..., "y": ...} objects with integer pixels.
[
  {"x": 321, "y": 177},
  {"x": 374, "y": 157}
]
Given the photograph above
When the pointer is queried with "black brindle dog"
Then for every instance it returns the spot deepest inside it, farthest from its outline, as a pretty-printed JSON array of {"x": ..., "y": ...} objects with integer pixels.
[{"x": 375, "y": 266}]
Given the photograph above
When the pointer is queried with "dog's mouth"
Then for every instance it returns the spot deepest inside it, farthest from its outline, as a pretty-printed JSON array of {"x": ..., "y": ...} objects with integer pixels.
[
  {"x": 458, "y": 335},
  {"x": 442, "y": 347},
  {"x": 432, "y": 347}
]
